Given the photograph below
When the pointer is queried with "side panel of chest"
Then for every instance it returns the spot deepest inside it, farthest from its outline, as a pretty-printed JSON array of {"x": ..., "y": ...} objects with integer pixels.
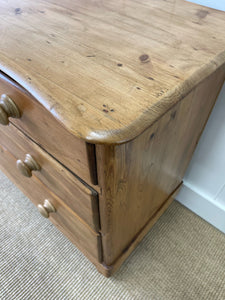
[{"x": 137, "y": 178}]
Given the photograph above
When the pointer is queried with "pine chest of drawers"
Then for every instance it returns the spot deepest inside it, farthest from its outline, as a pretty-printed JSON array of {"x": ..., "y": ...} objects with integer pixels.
[{"x": 102, "y": 105}]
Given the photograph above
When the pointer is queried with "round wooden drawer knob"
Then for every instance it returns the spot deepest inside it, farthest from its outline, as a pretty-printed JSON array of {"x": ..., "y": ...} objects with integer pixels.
[
  {"x": 27, "y": 166},
  {"x": 8, "y": 109},
  {"x": 46, "y": 208}
]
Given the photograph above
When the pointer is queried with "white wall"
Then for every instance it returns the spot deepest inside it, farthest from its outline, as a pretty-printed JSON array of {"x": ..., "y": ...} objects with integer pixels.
[
  {"x": 204, "y": 182},
  {"x": 217, "y": 4}
]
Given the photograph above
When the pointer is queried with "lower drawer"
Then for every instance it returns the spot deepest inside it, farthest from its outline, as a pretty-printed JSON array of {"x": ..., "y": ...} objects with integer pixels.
[
  {"x": 79, "y": 197},
  {"x": 86, "y": 239}
]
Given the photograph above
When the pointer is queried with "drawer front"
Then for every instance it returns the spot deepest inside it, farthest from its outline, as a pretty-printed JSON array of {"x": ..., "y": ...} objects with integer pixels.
[
  {"x": 81, "y": 199},
  {"x": 63, "y": 218},
  {"x": 42, "y": 127}
]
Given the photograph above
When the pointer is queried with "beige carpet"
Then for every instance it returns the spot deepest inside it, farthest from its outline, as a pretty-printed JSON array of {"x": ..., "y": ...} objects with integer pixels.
[{"x": 182, "y": 258}]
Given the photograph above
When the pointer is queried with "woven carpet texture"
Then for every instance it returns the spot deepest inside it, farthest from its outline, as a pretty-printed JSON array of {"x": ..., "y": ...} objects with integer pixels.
[{"x": 182, "y": 257}]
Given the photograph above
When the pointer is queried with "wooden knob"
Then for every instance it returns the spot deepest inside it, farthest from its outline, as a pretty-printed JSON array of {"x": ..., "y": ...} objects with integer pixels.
[
  {"x": 27, "y": 166},
  {"x": 8, "y": 109},
  {"x": 46, "y": 208}
]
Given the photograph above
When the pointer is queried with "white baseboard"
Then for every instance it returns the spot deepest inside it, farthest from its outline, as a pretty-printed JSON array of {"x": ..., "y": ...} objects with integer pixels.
[{"x": 209, "y": 210}]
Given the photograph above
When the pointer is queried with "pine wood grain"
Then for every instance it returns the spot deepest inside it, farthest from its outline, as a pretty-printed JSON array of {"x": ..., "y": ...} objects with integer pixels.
[
  {"x": 143, "y": 231},
  {"x": 127, "y": 85},
  {"x": 108, "y": 69},
  {"x": 64, "y": 218},
  {"x": 81, "y": 199},
  {"x": 137, "y": 177},
  {"x": 42, "y": 127}
]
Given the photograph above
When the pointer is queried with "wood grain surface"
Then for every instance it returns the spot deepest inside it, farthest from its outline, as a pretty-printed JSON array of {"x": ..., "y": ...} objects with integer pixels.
[
  {"x": 108, "y": 69},
  {"x": 81, "y": 199},
  {"x": 44, "y": 129},
  {"x": 137, "y": 177},
  {"x": 86, "y": 239},
  {"x": 125, "y": 254}
]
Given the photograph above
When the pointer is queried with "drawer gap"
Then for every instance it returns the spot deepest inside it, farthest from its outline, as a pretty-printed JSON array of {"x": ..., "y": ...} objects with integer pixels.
[{"x": 95, "y": 193}]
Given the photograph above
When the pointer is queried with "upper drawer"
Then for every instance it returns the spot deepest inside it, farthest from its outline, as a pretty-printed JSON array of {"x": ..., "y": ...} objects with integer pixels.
[
  {"x": 42, "y": 127},
  {"x": 76, "y": 195}
]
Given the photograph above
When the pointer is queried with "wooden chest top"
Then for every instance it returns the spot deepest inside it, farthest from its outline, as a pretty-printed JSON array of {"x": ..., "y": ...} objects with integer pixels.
[{"x": 108, "y": 69}]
